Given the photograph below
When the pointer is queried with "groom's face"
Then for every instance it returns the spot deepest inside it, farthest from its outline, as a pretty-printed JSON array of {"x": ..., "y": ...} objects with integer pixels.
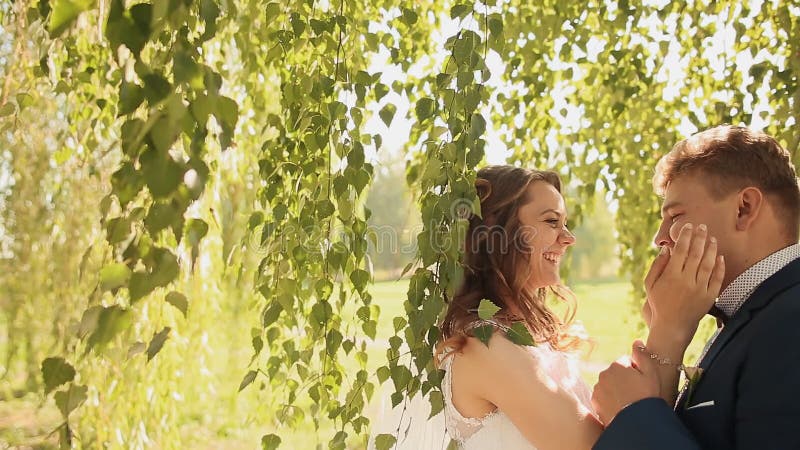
[{"x": 687, "y": 199}]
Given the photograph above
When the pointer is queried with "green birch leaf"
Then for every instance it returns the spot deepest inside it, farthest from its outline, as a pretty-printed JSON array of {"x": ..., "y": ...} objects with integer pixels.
[
  {"x": 62, "y": 155},
  {"x": 179, "y": 301},
  {"x": 437, "y": 403},
  {"x": 380, "y": 91},
  {"x": 258, "y": 343},
  {"x": 24, "y": 100},
  {"x": 270, "y": 442},
  {"x": 132, "y": 134},
  {"x": 399, "y": 323},
  {"x": 477, "y": 126},
  {"x": 460, "y": 11},
  {"x": 355, "y": 158},
  {"x": 321, "y": 313},
  {"x": 271, "y": 314},
  {"x": 424, "y": 108},
  {"x": 383, "y": 374},
  {"x": 186, "y": 70},
  {"x": 163, "y": 135},
  {"x": 127, "y": 183},
  {"x": 325, "y": 208},
  {"x": 110, "y": 322},
  {"x": 256, "y": 219},
  {"x": 384, "y": 441},
  {"x": 157, "y": 343},
  {"x": 248, "y": 379},
  {"x": 55, "y": 372},
  {"x": 64, "y": 14},
  {"x": 209, "y": 11},
  {"x": 43, "y": 8},
  {"x": 162, "y": 174},
  {"x": 408, "y": 267},
  {"x": 370, "y": 328},
  {"x": 7, "y": 109},
  {"x": 131, "y": 95},
  {"x": 360, "y": 278},
  {"x": 409, "y": 17},
  {"x": 156, "y": 88},
  {"x": 387, "y": 114},
  {"x": 483, "y": 333},
  {"x": 165, "y": 267},
  {"x": 70, "y": 399},
  {"x": 323, "y": 288},
  {"x": 518, "y": 333},
  {"x": 360, "y": 180},
  {"x": 142, "y": 14},
  {"x": 347, "y": 346},
  {"x": 487, "y": 309},
  {"x": 338, "y": 441},
  {"x": 333, "y": 341},
  {"x": 89, "y": 321},
  {"x": 401, "y": 376},
  {"x": 160, "y": 216},
  {"x": 495, "y": 23},
  {"x": 462, "y": 49},
  {"x": 136, "y": 348},
  {"x": 397, "y": 398},
  {"x": 114, "y": 276},
  {"x": 140, "y": 285},
  {"x": 227, "y": 111},
  {"x": 201, "y": 108},
  {"x": 196, "y": 230}
]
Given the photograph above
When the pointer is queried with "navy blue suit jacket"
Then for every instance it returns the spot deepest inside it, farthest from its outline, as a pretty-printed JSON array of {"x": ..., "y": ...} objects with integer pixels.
[{"x": 748, "y": 396}]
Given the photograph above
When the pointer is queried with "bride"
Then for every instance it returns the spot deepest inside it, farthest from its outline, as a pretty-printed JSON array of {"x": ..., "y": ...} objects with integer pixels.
[
  {"x": 500, "y": 395},
  {"x": 504, "y": 395}
]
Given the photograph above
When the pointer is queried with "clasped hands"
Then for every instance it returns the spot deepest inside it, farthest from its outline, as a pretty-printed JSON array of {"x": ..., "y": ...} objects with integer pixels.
[{"x": 681, "y": 287}]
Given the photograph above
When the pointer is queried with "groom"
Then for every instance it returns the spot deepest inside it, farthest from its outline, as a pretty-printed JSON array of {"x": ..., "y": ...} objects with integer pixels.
[{"x": 742, "y": 185}]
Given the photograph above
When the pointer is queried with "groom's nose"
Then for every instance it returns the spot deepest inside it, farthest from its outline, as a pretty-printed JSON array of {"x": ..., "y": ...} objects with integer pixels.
[{"x": 662, "y": 238}]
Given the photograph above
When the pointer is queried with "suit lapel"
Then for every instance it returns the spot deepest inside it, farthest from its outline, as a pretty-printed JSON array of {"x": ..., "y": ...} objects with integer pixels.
[
  {"x": 782, "y": 280},
  {"x": 725, "y": 335}
]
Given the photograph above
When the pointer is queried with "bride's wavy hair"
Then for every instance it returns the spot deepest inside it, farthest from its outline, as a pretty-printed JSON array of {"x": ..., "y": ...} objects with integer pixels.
[{"x": 496, "y": 264}]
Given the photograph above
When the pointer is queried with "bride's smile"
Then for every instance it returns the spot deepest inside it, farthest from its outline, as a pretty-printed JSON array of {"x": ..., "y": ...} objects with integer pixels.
[
  {"x": 554, "y": 258},
  {"x": 543, "y": 220}
]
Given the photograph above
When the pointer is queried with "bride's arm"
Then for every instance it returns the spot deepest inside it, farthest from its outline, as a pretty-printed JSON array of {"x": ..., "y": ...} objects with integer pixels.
[{"x": 509, "y": 377}]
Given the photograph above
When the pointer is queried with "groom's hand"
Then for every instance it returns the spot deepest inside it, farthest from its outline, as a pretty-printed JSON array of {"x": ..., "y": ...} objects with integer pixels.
[
  {"x": 683, "y": 283},
  {"x": 625, "y": 382},
  {"x": 656, "y": 269}
]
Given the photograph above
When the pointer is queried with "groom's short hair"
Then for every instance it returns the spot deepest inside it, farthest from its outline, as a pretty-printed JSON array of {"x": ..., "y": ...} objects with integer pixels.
[{"x": 731, "y": 158}]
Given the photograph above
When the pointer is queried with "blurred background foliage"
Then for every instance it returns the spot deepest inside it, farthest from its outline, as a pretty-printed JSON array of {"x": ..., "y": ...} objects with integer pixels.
[{"x": 197, "y": 197}]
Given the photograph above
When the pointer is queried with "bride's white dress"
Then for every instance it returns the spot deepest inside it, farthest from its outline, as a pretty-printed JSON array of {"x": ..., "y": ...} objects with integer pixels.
[{"x": 495, "y": 430}]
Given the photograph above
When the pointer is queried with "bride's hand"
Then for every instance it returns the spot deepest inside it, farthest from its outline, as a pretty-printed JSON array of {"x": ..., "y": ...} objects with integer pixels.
[
  {"x": 625, "y": 381},
  {"x": 683, "y": 282}
]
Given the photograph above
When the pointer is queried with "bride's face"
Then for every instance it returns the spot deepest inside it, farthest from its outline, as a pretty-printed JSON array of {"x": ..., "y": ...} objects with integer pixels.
[{"x": 543, "y": 227}]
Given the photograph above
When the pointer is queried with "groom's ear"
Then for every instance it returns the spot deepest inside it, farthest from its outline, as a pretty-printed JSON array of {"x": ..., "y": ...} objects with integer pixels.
[{"x": 750, "y": 203}]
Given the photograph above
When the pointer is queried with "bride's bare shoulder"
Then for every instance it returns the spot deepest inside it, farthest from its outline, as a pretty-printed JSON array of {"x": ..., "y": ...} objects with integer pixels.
[{"x": 498, "y": 352}]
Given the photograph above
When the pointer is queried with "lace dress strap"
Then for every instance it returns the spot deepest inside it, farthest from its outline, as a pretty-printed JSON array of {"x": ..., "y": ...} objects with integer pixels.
[
  {"x": 483, "y": 322},
  {"x": 461, "y": 428}
]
